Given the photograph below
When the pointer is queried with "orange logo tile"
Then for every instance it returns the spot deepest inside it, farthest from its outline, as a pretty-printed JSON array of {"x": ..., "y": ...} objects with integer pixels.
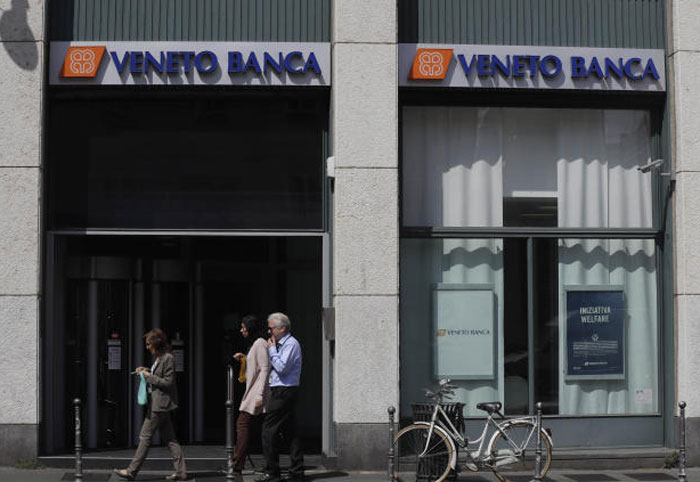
[
  {"x": 431, "y": 64},
  {"x": 82, "y": 61}
]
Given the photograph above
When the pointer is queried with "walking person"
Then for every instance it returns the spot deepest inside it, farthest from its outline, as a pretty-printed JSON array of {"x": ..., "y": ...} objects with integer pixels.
[
  {"x": 257, "y": 371},
  {"x": 285, "y": 369},
  {"x": 162, "y": 401}
]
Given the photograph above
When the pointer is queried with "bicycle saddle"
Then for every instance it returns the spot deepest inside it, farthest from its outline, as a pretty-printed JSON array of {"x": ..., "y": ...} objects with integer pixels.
[{"x": 489, "y": 407}]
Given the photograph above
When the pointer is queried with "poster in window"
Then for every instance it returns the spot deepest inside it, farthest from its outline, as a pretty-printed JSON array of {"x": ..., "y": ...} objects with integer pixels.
[
  {"x": 114, "y": 354},
  {"x": 463, "y": 331},
  {"x": 595, "y": 333}
]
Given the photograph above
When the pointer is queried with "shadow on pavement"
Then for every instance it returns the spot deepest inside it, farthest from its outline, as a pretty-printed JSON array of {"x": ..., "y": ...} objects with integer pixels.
[{"x": 326, "y": 475}]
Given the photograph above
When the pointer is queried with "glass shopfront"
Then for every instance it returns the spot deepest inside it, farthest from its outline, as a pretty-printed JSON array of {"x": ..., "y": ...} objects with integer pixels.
[{"x": 529, "y": 259}]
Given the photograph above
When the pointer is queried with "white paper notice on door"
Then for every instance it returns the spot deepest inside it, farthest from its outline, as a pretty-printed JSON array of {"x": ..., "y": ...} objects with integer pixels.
[
  {"x": 643, "y": 396},
  {"x": 114, "y": 354},
  {"x": 179, "y": 360}
]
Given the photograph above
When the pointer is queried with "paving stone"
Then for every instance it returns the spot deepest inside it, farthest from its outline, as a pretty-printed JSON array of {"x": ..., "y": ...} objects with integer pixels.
[
  {"x": 651, "y": 477},
  {"x": 592, "y": 477}
]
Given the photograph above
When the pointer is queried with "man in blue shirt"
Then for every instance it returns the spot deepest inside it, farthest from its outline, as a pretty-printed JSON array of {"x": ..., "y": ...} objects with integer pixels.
[{"x": 285, "y": 370}]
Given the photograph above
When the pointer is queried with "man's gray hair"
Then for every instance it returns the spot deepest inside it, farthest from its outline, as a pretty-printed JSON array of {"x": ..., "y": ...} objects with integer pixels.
[{"x": 280, "y": 319}]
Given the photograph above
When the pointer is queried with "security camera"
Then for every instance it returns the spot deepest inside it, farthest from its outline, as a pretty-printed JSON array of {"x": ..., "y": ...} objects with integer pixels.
[{"x": 651, "y": 165}]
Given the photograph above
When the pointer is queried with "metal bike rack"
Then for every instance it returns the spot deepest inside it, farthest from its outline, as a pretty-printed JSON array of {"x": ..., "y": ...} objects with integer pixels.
[
  {"x": 390, "y": 455},
  {"x": 681, "y": 446},
  {"x": 538, "y": 451},
  {"x": 78, "y": 443}
]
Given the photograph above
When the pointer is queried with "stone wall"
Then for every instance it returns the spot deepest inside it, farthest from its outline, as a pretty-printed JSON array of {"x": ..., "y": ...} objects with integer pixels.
[
  {"x": 365, "y": 239},
  {"x": 21, "y": 77},
  {"x": 684, "y": 63}
]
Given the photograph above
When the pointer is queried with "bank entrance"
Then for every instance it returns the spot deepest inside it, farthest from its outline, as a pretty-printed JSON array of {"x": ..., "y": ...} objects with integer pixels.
[
  {"x": 183, "y": 212},
  {"x": 110, "y": 290}
]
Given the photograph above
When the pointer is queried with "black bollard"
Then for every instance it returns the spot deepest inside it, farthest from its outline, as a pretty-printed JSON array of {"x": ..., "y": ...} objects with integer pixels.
[
  {"x": 229, "y": 440},
  {"x": 538, "y": 450},
  {"x": 229, "y": 383},
  {"x": 391, "y": 454},
  {"x": 78, "y": 443},
  {"x": 681, "y": 448},
  {"x": 229, "y": 426}
]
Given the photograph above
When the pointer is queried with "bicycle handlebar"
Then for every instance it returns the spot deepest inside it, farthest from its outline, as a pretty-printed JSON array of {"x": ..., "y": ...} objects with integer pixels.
[{"x": 439, "y": 395}]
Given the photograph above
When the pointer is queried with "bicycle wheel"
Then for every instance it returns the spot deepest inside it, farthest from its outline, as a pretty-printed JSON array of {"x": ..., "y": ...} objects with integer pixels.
[
  {"x": 516, "y": 452},
  {"x": 417, "y": 458}
]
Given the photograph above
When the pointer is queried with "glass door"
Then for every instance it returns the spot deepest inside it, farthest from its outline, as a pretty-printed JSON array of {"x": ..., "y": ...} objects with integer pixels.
[
  {"x": 96, "y": 359},
  {"x": 107, "y": 291}
]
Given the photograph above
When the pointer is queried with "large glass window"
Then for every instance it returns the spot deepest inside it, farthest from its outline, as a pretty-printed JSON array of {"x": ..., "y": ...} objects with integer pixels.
[
  {"x": 451, "y": 306},
  {"x": 522, "y": 315}
]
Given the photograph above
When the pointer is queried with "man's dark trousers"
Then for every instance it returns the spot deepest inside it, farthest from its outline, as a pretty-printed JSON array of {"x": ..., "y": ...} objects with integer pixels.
[{"x": 279, "y": 419}]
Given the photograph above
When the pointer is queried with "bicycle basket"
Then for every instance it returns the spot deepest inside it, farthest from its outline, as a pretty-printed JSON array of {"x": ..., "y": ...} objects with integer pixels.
[{"x": 422, "y": 412}]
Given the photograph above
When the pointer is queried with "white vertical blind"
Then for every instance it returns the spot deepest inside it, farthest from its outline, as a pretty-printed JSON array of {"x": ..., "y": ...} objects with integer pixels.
[
  {"x": 600, "y": 186},
  {"x": 459, "y": 162},
  {"x": 452, "y": 173}
]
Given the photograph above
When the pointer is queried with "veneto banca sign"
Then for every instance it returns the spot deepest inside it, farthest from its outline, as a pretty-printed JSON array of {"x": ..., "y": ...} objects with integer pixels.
[
  {"x": 196, "y": 63},
  {"x": 501, "y": 66}
]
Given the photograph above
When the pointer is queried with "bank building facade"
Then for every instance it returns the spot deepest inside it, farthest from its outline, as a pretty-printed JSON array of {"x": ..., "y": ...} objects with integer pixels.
[{"x": 503, "y": 193}]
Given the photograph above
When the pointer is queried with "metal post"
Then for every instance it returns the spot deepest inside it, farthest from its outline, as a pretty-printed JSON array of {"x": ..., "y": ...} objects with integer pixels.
[
  {"x": 229, "y": 440},
  {"x": 391, "y": 454},
  {"x": 681, "y": 448},
  {"x": 78, "y": 443},
  {"x": 538, "y": 451},
  {"x": 229, "y": 387},
  {"x": 229, "y": 426}
]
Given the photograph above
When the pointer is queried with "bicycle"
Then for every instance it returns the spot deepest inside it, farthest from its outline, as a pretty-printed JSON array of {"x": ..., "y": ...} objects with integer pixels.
[{"x": 431, "y": 448}]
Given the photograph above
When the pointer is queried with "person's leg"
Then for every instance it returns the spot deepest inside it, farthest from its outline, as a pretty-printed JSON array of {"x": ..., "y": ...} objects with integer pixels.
[
  {"x": 296, "y": 469},
  {"x": 147, "y": 429},
  {"x": 270, "y": 442},
  {"x": 274, "y": 420},
  {"x": 242, "y": 426},
  {"x": 167, "y": 434}
]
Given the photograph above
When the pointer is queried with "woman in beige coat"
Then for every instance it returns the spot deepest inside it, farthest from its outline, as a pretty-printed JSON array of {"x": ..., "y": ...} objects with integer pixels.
[{"x": 256, "y": 373}]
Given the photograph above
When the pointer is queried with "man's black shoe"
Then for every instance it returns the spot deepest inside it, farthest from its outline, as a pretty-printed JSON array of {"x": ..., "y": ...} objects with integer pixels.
[{"x": 267, "y": 478}]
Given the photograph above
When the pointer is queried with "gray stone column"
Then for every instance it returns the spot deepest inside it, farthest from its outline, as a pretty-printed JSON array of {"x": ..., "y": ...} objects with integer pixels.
[
  {"x": 365, "y": 146},
  {"x": 21, "y": 66},
  {"x": 684, "y": 63}
]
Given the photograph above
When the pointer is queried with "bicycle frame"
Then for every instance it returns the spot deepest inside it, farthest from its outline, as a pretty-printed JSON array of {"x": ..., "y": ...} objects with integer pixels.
[{"x": 441, "y": 420}]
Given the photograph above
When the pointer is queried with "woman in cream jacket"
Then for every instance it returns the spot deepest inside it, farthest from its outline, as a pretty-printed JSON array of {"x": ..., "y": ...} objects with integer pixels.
[{"x": 256, "y": 373}]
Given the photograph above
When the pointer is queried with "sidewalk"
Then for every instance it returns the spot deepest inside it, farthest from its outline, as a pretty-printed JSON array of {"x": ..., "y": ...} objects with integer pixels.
[{"x": 8, "y": 474}]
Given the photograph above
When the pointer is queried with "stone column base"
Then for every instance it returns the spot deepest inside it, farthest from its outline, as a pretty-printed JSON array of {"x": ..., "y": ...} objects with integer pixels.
[
  {"x": 18, "y": 442},
  {"x": 362, "y": 446},
  {"x": 692, "y": 439}
]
